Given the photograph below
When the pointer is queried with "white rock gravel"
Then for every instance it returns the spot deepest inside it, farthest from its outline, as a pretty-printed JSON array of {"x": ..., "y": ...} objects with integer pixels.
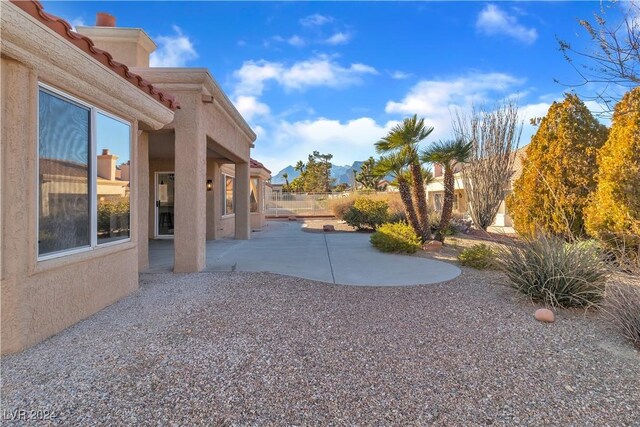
[{"x": 263, "y": 349}]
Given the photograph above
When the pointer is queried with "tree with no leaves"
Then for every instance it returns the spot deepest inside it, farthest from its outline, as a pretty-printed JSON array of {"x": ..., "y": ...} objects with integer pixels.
[
  {"x": 447, "y": 154},
  {"x": 494, "y": 137},
  {"x": 614, "y": 59}
]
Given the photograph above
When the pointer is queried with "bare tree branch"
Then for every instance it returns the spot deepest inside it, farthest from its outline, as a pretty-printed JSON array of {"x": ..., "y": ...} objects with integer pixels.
[
  {"x": 614, "y": 58},
  {"x": 495, "y": 136}
]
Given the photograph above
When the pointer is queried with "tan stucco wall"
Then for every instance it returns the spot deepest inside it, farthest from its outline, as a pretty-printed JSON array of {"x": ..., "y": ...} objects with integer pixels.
[{"x": 42, "y": 298}]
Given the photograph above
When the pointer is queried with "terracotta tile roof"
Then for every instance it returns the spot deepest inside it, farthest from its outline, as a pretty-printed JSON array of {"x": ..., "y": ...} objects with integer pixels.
[
  {"x": 64, "y": 29},
  {"x": 257, "y": 165}
]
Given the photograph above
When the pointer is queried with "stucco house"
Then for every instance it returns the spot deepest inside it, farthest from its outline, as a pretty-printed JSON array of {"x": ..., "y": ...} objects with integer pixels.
[
  {"x": 435, "y": 191},
  {"x": 101, "y": 153}
]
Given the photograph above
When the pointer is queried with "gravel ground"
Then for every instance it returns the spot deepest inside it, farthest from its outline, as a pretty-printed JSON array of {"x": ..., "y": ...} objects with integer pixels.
[{"x": 263, "y": 349}]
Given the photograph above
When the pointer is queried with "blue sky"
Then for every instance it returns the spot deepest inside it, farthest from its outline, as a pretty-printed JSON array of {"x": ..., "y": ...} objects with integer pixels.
[{"x": 335, "y": 76}]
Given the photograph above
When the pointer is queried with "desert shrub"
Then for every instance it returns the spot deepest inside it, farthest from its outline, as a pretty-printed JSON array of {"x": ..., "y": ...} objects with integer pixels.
[
  {"x": 613, "y": 212},
  {"x": 396, "y": 237},
  {"x": 398, "y": 217},
  {"x": 480, "y": 257},
  {"x": 622, "y": 310},
  {"x": 366, "y": 213},
  {"x": 558, "y": 171},
  {"x": 339, "y": 207},
  {"x": 434, "y": 223},
  {"x": 556, "y": 273}
]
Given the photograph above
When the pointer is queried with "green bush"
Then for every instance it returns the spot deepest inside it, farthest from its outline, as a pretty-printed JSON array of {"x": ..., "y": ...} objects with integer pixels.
[
  {"x": 556, "y": 273},
  {"x": 479, "y": 257},
  {"x": 396, "y": 237},
  {"x": 622, "y": 309},
  {"x": 367, "y": 214}
]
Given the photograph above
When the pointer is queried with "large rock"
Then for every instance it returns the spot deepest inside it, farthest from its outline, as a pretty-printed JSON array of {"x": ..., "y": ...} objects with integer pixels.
[
  {"x": 544, "y": 315},
  {"x": 293, "y": 218},
  {"x": 328, "y": 227},
  {"x": 432, "y": 246}
]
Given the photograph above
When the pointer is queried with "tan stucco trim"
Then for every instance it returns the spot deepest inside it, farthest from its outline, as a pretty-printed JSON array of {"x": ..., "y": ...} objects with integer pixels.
[
  {"x": 55, "y": 59},
  {"x": 123, "y": 34},
  {"x": 179, "y": 79}
]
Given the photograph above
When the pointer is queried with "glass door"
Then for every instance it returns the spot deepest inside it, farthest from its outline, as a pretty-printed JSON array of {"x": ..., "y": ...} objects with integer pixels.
[{"x": 164, "y": 204}]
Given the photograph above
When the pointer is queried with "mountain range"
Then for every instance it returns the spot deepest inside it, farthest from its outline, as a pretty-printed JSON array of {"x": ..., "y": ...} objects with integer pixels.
[{"x": 342, "y": 174}]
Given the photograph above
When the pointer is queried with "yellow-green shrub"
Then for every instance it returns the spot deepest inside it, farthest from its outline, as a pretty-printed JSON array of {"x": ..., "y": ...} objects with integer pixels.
[
  {"x": 558, "y": 171},
  {"x": 395, "y": 237},
  {"x": 367, "y": 213},
  {"x": 613, "y": 212},
  {"x": 479, "y": 256}
]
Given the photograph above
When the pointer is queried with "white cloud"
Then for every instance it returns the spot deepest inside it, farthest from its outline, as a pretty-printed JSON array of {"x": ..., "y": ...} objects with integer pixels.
[
  {"x": 430, "y": 97},
  {"x": 173, "y": 51},
  {"x": 494, "y": 21},
  {"x": 400, "y": 75},
  {"x": 318, "y": 71},
  {"x": 315, "y": 20},
  {"x": 294, "y": 40},
  {"x": 436, "y": 100},
  {"x": 250, "y": 107},
  {"x": 338, "y": 38},
  {"x": 77, "y": 22},
  {"x": 347, "y": 141}
]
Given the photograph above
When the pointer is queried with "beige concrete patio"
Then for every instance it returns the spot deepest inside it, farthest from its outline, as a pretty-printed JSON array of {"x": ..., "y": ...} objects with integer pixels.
[{"x": 341, "y": 258}]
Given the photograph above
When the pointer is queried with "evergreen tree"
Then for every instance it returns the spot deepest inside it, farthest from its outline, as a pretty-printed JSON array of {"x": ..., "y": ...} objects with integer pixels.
[
  {"x": 559, "y": 171},
  {"x": 614, "y": 209}
]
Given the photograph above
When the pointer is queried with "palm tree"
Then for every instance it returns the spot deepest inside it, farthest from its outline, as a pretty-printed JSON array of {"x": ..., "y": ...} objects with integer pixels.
[
  {"x": 286, "y": 179},
  {"x": 447, "y": 154},
  {"x": 405, "y": 137},
  {"x": 395, "y": 164}
]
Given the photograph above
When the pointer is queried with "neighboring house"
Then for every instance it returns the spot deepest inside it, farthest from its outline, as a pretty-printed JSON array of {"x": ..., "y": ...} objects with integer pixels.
[
  {"x": 388, "y": 186},
  {"x": 435, "y": 191},
  {"x": 98, "y": 157}
]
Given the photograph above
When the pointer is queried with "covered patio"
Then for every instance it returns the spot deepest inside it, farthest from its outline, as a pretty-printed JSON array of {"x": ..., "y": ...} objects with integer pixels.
[{"x": 197, "y": 176}]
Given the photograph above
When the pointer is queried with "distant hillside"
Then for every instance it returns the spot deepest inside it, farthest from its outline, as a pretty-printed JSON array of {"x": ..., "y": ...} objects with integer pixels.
[{"x": 342, "y": 174}]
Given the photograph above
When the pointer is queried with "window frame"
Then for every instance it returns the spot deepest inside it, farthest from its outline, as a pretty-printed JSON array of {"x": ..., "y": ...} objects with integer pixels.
[
  {"x": 224, "y": 196},
  {"x": 93, "y": 179}
]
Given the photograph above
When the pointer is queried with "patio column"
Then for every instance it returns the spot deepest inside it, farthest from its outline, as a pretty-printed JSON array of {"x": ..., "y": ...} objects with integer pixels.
[
  {"x": 190, "y": 228},
  {"x": 213, "y": 199},
  {"x": 243, "y": 226},
  {"x": 142, "y": 194}
]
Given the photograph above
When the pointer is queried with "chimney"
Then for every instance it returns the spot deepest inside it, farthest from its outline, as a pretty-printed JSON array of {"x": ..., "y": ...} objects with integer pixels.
[
  {"x": 107, "y": 165},
  {"x": 130, "y": 46},
  {"x": 125, "y": 171},
  {"x": 104, "y": 19}
]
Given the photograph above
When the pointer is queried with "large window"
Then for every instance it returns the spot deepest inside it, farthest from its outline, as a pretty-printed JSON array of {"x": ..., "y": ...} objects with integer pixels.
[
  {"x": 113, "y": 176},
  {"x": 253, "y": 196},
  {"x": 228, "y": 193},
  {"x": 83, "y": 193}
]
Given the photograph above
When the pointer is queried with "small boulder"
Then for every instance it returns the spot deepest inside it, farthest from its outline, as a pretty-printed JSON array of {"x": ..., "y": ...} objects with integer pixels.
[
  {"x": 544, "y": 315},
  {"x": 432, "y": 246},
  {"x": 328, "y": 227},
  {"x": 293, "y": 218}
]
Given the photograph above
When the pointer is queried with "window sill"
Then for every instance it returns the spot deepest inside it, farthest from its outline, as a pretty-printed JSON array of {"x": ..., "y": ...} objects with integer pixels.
[{"x": 80, "y": 256}]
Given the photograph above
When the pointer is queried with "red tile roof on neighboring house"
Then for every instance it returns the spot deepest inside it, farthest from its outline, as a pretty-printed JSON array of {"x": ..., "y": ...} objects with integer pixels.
[
  {"x": 257, "y": 165},
  {"x": 64, "y": 29}
]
